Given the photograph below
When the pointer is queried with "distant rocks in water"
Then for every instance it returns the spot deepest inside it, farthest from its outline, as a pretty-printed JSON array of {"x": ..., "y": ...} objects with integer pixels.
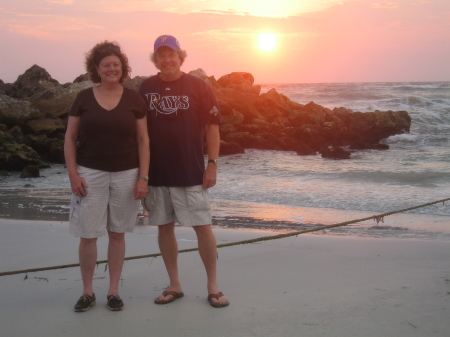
[
  {"x": 30, "y": 172},
  {"x": 34, "y": 112},
  {"x": 335, "y": 153}
]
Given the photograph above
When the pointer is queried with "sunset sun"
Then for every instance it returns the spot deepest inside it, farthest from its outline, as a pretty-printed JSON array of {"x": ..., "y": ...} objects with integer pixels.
[{"x": 267, "y": 41}]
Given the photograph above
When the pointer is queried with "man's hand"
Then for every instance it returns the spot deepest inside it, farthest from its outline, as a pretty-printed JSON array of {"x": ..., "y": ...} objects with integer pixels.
[{"x": 210, "y": 176}]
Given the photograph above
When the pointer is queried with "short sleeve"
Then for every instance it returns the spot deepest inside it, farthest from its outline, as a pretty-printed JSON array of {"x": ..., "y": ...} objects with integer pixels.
[
  {"x": 76, "y": 109},
  {"x": 139, "y": 104},
  {"x": 209, "y": 107}
]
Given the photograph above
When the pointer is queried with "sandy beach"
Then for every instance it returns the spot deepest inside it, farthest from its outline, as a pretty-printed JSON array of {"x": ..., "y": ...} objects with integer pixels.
[{"x": 309, "y": 285}]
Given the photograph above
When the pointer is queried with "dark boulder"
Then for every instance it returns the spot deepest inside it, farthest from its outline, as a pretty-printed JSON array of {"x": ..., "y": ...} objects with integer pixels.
[
  {"x": 227, "y": 148},
  {"x": 49, "y": 149},
  {"x": 14, "y": 156},
  {"x": 34, "y": 80},
  {"x": 30, "y": 171},
  {"x": 17, "y": 112},
  {"x": 241, "y": 82},
  {"x": 2, "y": 88},
  {"x": 335, "y": 153}
]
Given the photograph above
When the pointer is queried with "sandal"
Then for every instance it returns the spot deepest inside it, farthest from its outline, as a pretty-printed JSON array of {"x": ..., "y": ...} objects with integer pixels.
[
  {"x": 217, "y": 304},
  {"x": 175, "y": 295}
]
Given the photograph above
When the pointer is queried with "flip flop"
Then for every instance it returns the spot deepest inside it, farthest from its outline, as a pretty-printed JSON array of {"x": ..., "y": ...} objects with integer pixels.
[
  {"x": 175, "y": 295},
  {"x": 218, "y": 304}
]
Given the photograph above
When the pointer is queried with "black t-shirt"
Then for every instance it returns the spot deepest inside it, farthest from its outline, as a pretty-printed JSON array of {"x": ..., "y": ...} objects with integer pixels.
[
  {"x": 107, "y": 138},
  {"x": 177, "y": 114}
]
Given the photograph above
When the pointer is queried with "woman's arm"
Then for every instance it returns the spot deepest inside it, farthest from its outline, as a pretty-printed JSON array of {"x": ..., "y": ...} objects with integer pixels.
[
  {"x": 70, "y": 154},
  {"x": 143, "y": 142}
]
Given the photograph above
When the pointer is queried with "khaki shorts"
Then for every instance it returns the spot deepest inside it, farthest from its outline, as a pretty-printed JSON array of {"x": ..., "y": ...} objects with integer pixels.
[
  {"x": 109, "y": 203},
  {"x": 189, "y": 206}
]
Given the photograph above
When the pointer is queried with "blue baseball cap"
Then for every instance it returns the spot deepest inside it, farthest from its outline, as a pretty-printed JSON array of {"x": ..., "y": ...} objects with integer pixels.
[{"x": 166, "y": 41}]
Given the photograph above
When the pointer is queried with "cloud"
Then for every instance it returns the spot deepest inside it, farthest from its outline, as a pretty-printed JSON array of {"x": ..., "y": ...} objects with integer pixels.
[
  {"x": 260, "y": 8},
  {"x": 61, "y": 2},
  {"x": 224, "y": 11},
  {"x": 385, "y": 5},
  {"x": 48, "y": 27}
]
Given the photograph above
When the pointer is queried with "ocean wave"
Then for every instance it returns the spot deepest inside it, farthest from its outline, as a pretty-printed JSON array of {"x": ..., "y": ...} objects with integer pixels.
[{"x": 405, "y": 137}]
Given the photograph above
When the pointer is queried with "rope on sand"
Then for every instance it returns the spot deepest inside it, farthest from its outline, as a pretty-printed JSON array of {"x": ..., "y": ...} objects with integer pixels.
[{"x": 376, "y": 218}]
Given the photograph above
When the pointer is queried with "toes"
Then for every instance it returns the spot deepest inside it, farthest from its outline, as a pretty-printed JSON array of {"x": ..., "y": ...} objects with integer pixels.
[{"x": 221, "y": 300}]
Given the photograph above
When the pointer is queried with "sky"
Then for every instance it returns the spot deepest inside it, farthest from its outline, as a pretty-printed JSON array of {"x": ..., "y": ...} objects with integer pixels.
[{"x": 307, "y": 41}]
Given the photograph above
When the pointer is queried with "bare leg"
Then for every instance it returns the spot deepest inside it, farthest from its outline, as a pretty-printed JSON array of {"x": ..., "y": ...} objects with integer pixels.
[
  {"x": 169, "y": 251},
  {"x": 116, "y": 256},
  {"x": 87, "y": 253},
  {"x": 208, "y": 253}
]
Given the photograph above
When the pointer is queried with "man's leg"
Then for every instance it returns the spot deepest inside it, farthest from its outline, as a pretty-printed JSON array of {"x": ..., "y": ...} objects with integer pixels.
[
  {"x": 169, "y": 251},
  {"x": 208, "y": 253},
  {"x": 87, "y": 253},
  {"x": 116, "y": 256}
]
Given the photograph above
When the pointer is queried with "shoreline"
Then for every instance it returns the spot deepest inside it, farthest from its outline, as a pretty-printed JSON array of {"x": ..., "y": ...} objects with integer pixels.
[
  {"x": 397, "y": 226},
  {"x": 312, "y": 285}
]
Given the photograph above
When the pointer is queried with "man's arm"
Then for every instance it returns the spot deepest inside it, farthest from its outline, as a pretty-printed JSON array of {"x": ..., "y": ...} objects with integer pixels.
[{"x": 213, "y": 145}]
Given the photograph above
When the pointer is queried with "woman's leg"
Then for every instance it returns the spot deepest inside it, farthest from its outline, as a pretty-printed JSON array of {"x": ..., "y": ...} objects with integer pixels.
[
  {"x": 116, "y": 256},
  {"x": 88, "y": 259}
]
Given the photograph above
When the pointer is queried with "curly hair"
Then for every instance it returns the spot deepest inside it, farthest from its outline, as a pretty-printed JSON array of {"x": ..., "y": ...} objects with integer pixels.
[
  {"x": 181, "y": 53},
  {"x": 98, "y": 53}
]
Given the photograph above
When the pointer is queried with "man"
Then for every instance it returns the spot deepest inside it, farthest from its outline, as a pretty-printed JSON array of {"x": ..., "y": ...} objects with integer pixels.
[{"x": 182, "y": 113}]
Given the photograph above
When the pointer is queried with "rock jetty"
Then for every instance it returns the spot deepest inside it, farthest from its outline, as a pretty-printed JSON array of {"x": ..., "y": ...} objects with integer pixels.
[{"x": 34, "y": 110}]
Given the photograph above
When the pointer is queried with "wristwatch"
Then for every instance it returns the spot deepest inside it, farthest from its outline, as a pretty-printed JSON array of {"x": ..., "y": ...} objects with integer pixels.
[
  {"x": 143, "y": 177},
  {"x": 214, "y": 161}
]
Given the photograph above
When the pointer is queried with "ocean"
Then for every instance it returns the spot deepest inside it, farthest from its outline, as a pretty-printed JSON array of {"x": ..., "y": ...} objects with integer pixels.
[{"x": 282, "y": 191}]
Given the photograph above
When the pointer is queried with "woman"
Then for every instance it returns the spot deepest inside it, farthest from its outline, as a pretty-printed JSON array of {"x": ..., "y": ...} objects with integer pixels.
[{"x": 107, "y": 156}]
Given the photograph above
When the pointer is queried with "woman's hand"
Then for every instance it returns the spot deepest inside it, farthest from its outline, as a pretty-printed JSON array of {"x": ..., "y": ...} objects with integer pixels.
[
  {"x": 78, "y": 186},
  {"x": 141, "y": 189}
]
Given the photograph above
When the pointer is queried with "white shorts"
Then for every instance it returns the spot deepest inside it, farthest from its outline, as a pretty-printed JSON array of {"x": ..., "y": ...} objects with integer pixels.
[
  {"x": 109, "y": 203},
  {"x": 189, "y": 206}
]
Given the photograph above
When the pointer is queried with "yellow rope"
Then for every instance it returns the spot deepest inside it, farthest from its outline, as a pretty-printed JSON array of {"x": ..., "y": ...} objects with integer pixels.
[{"x": 264, "y": 238}]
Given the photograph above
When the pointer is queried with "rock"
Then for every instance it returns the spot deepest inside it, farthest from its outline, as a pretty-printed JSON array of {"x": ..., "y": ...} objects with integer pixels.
[
  {"x": 362, "y": 145},
  {"x": 30, "y": 172},
  {"x": 227, "y": 148},
  {"x": 14, "y": 157},
  {"x": 274, "y": 105},
  {"x": 231, "y": 99},
  {"x": 81, "y": 78},
  {"x": 34, "y": 110},
  {"x": 210, "y": 80},
  {"x": 305, "y": 150},
  {"x": 2, "y": 88},
  {"x": 4, "y": 173},
  {"x": 374, "y": 126},
  {"x": 134, "y": 83},
  {"x": 335, "y": 153},
  {"x": 249, "y": 140},
  {"x": 229, "y": 114},
  {"x": 46, "y": 126},
  {"x": 50, "y": 149},
  {"x": 226, "y": 129},
  {"x": 55, "y": 102},
  {"x": 16, "y": 134},
  {"x": 34, "y": 80},
  {"x": 240, "y": 81},
  {"x": 16, "y": 112}
]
